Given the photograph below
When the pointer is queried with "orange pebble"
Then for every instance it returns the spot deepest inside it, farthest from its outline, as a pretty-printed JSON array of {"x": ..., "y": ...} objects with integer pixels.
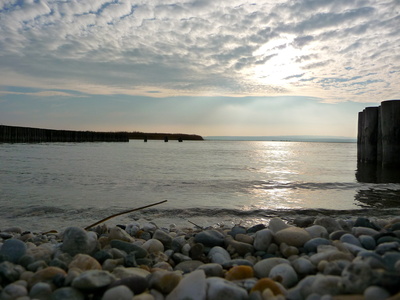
[
  {"x": 239, "y": 272},
  {"x": 266, "y": 283}
]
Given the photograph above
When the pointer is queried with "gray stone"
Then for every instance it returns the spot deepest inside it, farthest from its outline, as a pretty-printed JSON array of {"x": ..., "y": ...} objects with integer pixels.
[
  {"x": 153, "y": 246},
  {"x": 210, "y": 238},
  {"x": 9, "y": 272},
  {"x": 41, "y": 290},
  {"x": 76, "y": 240},
  {"x": 188, "y": 266},
  {"x": 317, "y": 231},
  {"x": 238, "y": 247},
  {"x": 219, "y": 288},
  {"x": 351, "y": 239},
  {"x": 212, "y": 270},
  {"x": 177, "y": 243},
  {"x": 218, "y": 255},
  {"x": 329, "y": 223},
  {"x": 327, "y": 284},
  {"x": 276, "y": 224},
  {"x": 262, "y": 239},
  {"x": 285, "y": 274},
  {"x": 163, "y": 237},
  {"x": 356, "y": 277},
  {"x": 193, "y": 286},
  {"x": 312, "y": 245},
  {"x": 386, "y": 247},
  {"x": 263, "y": 267},
  {"x": 368, "y": 242},
  {"x": 237, "y": 230},
  {"x": 120, "y": 292},
  {"x": 129, "y": 247},
  {"x": 375, "y": 292},
  {"x": 67, "y": 293},
  {"x": 13, "y": 291},
  {"x": 12, "y": 250},
  {"x": 137, "y": 283},
  {"x": 93, "y": 279},
  {"x": 303, "y": 266}
]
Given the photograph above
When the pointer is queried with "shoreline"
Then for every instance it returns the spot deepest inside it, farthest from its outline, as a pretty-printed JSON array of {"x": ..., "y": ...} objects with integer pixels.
[{"x": 308, "y": 258}]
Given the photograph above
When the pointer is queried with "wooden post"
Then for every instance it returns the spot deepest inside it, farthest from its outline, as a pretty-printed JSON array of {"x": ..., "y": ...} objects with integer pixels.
[
  {"x": 390, "y": 124},
  {"x": 370, "y": 134}
]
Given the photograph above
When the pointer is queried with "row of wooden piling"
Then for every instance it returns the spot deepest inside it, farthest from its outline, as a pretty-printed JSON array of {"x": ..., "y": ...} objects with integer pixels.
[
  {"x": 378, "y": 139},
  {"x": 16, "y": 134}
]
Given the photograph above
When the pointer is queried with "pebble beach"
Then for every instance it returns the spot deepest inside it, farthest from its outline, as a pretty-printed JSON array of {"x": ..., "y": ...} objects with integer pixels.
[{"x": 307, "y": 258}]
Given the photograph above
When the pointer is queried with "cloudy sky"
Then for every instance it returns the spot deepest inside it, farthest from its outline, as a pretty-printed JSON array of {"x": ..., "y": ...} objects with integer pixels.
[{"x": 226, "y": 67}]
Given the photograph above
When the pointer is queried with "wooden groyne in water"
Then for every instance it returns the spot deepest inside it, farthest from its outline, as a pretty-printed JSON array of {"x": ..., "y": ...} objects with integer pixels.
[
  {"x": 16, "y": 134},
  {"x": 378, "y": 139}
]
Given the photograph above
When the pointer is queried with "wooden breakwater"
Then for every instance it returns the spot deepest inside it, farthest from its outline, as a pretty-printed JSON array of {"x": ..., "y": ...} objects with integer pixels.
[
  {"x": 378, "y": 140},
  {"x": 16, "y": 134}
]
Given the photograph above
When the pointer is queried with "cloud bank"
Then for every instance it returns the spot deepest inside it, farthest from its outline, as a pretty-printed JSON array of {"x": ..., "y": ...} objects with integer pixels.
[{"x": 333, "y": 50}]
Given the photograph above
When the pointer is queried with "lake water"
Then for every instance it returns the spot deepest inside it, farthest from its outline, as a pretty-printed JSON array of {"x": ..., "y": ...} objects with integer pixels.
[{"x": 52, "y": 186}]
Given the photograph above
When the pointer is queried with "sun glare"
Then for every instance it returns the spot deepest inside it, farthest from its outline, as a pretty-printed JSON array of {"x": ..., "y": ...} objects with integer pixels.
[{"x": 280, "y": 65}]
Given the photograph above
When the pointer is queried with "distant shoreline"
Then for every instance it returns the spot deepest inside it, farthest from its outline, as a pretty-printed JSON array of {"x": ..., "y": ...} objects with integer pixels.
[{"x": 299, "y": 138}]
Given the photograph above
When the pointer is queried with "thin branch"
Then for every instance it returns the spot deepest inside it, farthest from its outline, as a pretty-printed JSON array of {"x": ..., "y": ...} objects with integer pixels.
[{"x": 124, "y": 212}]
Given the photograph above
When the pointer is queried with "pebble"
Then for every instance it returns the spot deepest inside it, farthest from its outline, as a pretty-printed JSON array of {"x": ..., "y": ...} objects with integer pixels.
[
  {"x": 319, "y": 258},
  {"x": 12, "y": 250},
  {"x": 193, "y": 286},
  {"x": 292, "y": 236},
  {"x": 119, "y": 292}
]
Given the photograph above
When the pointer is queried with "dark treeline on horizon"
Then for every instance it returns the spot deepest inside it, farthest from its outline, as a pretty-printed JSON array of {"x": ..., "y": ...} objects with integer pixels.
[{"x": 18, "y": 134}]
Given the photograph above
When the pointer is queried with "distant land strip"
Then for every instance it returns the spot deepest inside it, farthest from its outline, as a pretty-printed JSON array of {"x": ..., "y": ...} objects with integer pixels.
[{"x": 17, "y": 134}]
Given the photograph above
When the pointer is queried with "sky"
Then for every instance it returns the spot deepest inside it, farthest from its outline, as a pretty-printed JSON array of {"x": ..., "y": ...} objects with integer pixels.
[{"x": 226, "y": 67}]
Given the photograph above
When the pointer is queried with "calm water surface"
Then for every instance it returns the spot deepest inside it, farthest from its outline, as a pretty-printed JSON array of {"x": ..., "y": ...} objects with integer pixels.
[{"x": 51, "y": 186}]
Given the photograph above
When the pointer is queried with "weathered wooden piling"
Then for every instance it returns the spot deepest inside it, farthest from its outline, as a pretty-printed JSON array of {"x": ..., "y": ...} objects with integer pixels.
[
  {"x": 16, "y": 134},
  {"x": 378, "y": 139}
]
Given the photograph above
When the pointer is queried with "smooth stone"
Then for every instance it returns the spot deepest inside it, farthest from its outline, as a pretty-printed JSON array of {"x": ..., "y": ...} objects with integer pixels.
[
  {"x": 375, "y": 292},
  {"x": 13, "y": 291},
  {"x": 117, "y": 233},
  {"x": 84, "y": 262},
  {"x": 356, "y": 277},
  {"x": 317, "y": 231},
  {"x": 67, "y": 293},
  {"x": 263, "y": 267},
  {"x": 351, "y": 239},
  {"x": 219, "y": 288},
  {"x": 364, "y": 222},
  {"x": 335, "y": 267},
  {"x": 255, "y": 228},
  {"x": 153, "y": 246},
  {"x": 110, "y": 264},
  {"x": 41, "y": 290},
  {"x": 238, "y": 247},
  {"x": 285, "y": 274},
  {"x": 386, "y": 247},
  {"x": 391, "y": 259},
  {"x": 129, "y": 247},
  {"x": 303, "y": 266},
  {"x": 276, "y": 224},
  {"x": 164, "y": 281},
  {"x": 43, "y": 252},
  {"x": 177, "y": 243},
  {"x": 312, "y": 245},
  {"x": 266, "y": 283},
  {"x": 192, "y": 286},
  {"x": 244, "y": 238},
  {"x": 149, "y": 227},
  {"x": 46, "y": 275},
  {"x": 76, "y": 240},
  {"x": 179, "y": 257},
  {"x": 367, "y": 242},
  {"x": 292, "y": 236},
  {"x": 237, "y": 262},
  {"x": 37, "y": 265},
  {"x": 326, "y": 284},
  {"x": 188, "y": 266},
  {"x": 262, "y": 239},
  {"x": 12, "y": 250},
  {"x": 387, "y": 239},
  {"x": 354, "y": 249},
  {"x": 132, "y": 228},
  {"x": 329, "y": 223},
  {"x": 237, "y": 230},
  {"x": 357, "y": 231},
  {"x": 93, "y": 279},
  {"x": 163, "y": 237},
  {"x": 137, "y": 283},
  {"x": 239, "y": 273},
  {"x": 372, "y": 258},
  {"x": 121, "y": 272},
  {"x": 212, "y": 270},
  {"x": 119, "y": 292},
  {"x": 218, "y": 255},
  {"x": 303, "y": 221},
  {"x": 288, "y": 251},
  {"x": 210, "y": 238},
  {"x": 186, "y": 249},
  {"x": 336, "y": 235},
  {"x": 196, "y": 252}
]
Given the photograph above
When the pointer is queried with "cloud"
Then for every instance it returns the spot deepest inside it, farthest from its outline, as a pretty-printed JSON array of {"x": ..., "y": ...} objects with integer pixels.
[{"x": 230, "y": 48}]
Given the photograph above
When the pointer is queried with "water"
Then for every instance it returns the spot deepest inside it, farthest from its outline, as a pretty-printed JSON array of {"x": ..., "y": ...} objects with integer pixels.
[{"x": 52, "y": 186}]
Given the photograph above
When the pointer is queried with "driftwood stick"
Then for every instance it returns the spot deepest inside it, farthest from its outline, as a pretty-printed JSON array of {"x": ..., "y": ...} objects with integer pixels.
[
  {"x": 124, "y": 212},
  {"x": 195, "y": 224}
]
